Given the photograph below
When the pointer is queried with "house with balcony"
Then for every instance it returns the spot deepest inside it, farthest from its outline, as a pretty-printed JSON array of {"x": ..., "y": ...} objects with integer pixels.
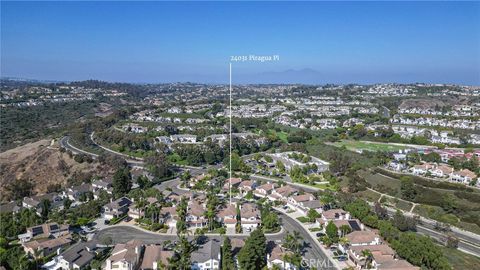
[
  {"x": 249, "y": 217},
  {"x": 125, "y": 256}
]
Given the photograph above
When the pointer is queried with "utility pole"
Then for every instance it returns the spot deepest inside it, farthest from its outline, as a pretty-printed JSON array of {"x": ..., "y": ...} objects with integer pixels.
[{"x": 230, "y": 178}]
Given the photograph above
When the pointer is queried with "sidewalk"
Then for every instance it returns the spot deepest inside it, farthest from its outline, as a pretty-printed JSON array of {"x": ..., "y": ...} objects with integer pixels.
[{"x": 172, "y": 231}]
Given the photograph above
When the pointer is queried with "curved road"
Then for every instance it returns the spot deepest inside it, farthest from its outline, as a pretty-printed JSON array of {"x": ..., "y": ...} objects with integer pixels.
[{"x": 122, "y": 234}]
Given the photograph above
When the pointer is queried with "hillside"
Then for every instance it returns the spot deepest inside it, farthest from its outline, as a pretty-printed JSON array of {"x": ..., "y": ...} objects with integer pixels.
[{"x": 44, "y": 166}]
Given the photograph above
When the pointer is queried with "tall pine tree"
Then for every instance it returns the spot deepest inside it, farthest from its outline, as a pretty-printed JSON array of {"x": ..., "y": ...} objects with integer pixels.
[
  {"x": 122, "y": 182},
  {"x": 254, "y": 254},
  {"x": 227, "y": 256}
]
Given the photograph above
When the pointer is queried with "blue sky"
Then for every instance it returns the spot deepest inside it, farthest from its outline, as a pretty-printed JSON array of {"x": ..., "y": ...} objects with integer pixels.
[{"x": 318, "y": 42}]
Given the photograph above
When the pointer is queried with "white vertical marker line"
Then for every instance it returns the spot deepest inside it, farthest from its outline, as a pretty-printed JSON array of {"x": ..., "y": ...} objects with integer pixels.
[{"x": 230, "y": 180}]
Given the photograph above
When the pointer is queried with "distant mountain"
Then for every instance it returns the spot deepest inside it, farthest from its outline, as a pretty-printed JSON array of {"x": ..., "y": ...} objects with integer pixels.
[
  {"x": 306, "y": 76},
  {"x": 17, "y": 79}
]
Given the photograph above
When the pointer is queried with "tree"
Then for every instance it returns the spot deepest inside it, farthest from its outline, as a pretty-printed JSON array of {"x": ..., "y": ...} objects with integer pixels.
[
  {"x": 380, "y": 211},
  {"x": 367, "y": 254},
  {"x": 280, "y": 166},
  {"x": 293, "y": 241},
  {"x": 182, "y": 215},
  {"x": 211, "y": 213},
  {"x": 183, "y": 251},
  {"x": 185, "y": 176},
  {"x": 312, "y": 214},
  {"x": 332, "y": 231},
  {"x": 253, "y": 255},
  {"x": 45, "y": 206},
  {"x": 142, "y": 181},
  {"x": 67, "y": 203},
  {"x": 227, "y": 256},
  {"x": 158, "y": 165},
  {"x": 345, "y": 229},
  {"x": 452, "y": 241},
  {"x": 122, "y": 182},
  {"x": 359, "y": 209},
  {"x": 432, "y": 157},
  {"x": 407, "y": 188},
  {"x": 449, "y": 203},
  {"x": 403, "y": 223}
]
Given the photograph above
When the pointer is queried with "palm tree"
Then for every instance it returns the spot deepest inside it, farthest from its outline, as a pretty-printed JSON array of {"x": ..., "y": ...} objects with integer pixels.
[
  {"x": 367, "y": 254},
  {"x": 140, "y": 206},
  {"x": 294, "y": 241},
  {"x": 344, "y": 230}
]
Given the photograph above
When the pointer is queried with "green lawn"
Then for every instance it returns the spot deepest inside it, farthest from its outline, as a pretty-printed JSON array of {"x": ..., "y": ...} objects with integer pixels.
[{"x": 369, "y": 146}]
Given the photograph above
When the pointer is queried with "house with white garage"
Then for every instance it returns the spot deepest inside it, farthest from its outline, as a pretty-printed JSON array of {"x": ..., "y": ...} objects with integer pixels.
[
  {"x": 441, "y": 171},
  {"x": 464, "y": 176},
  {"x": 264, "y": 190},
  {"x": 125, "y": 256},
  {"x": 249, "y": 217},
  {"x": 360, "y": 238},
  {"x": 207, "y": 256},
  {"x": 276, "y": 257},
  {"x": 228, "y": 215},
  {"x": 116, "y": 208}
]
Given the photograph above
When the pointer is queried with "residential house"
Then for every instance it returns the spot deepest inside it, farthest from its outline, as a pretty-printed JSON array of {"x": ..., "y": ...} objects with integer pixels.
[
  {"x": 207, "y": 256},
  {"x": 45, "y": 247},
  {"x": 168, "y": 216},
  {"x": 237, "y": 245},
  {"x": 245, "y": 186},
  {"x": 116, "y": 208},
  {"x": 45, "y": 230},
  {"x": 155, "y": 256},
  {"x": 264, "y": 190},
  {"x": 276, "y": 257},
  {"x": 360, "y": 238},
  {"x": 464, "y": 176},
  {"x": 139, "y": 212},
  {"x": 74, "y": 193},
  {"x": 298, "y": 202},
  {"x": 34, "y": 202},
  {"x": 395, "y": 265},
  {"x": 234, "y": 182},
  {"x": 228, "y": 215},
  {"x": 442, "y": 170},
  {"x": 11, "y": 207},
  {"x": 249, "y": 217},
  {"x": 422, "y": 169},
  {"x": 183, "y": 138},
  {"x": 196, "y": 215},
  {"x": 78, "y": 256},
  {"x": 125, "y": 256},
  {"x": 283, "y": 193},
  {"x": 355, "y": 253}
]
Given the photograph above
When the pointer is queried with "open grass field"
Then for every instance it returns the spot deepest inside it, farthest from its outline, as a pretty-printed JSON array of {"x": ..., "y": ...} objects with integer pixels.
[
  {"x": 460, "y": 260},
  {"x": 381, "y": 183},
  {"x": 358, "y": 146},
  {"x": 403, "y": 205},
  {"x": 369, "y": 195},
  {"x": 430, "y": 201}
]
